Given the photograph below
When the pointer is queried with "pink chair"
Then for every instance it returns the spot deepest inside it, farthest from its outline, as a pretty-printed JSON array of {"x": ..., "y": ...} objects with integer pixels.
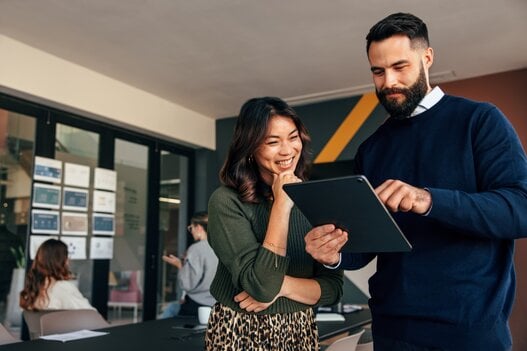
[{"x": 131, "y": 297}]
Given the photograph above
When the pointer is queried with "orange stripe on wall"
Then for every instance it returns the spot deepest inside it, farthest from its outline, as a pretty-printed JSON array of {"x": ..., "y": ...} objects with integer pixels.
[{"x": 348, "y": 128}]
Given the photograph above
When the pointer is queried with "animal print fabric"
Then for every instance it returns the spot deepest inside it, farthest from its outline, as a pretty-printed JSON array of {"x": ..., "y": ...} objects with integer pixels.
[{"x": 229, "y": 330}]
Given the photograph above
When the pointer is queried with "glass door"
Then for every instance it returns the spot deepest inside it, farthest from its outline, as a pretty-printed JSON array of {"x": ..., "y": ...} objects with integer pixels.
[
  {"x": 17, "y": 139},
  {"x": 126, "y": 280},
  {"x": 80, "y": 147},
  {"x": 173, "y": 215}
]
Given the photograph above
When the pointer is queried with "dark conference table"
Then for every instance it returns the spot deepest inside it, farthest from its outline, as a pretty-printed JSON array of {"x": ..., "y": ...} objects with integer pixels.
[{"x": 165, "y": 334}]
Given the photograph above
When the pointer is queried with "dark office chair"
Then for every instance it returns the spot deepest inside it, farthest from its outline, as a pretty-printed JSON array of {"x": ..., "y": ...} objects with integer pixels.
[{"x": 71, "y": 320}]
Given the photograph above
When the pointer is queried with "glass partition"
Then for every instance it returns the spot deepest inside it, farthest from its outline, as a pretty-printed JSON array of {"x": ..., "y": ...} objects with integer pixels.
[
  {"x": 127, "y": 266},
  {"x": 173, "y": 215},
  {"x": 81, "y": 147},
  {"x": 17, "y": 138}
]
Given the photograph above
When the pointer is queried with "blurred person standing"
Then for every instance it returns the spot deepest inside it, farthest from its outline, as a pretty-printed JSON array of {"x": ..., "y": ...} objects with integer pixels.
[{"x": 196, "y": 271}]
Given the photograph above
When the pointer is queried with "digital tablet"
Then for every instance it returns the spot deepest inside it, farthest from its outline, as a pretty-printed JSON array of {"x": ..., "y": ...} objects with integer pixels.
[{"x": 352, "y": 205}]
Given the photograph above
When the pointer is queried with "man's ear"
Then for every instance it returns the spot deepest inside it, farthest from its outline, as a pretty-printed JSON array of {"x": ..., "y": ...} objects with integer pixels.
[{"x": 428, "y": 57}]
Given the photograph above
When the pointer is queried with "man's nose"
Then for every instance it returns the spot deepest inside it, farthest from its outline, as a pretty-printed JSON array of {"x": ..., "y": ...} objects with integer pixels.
[{"x": 390, "y": 79}]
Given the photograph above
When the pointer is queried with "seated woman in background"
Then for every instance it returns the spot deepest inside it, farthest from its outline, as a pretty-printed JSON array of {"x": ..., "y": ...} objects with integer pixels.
[{"x": 48, "y": 284}]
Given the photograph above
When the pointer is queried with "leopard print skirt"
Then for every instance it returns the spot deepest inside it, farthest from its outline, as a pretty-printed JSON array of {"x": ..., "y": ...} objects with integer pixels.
[{"x": 229, "y": 330}]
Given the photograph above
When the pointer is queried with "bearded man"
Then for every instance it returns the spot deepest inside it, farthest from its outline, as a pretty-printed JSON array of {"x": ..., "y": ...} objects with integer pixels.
[{"x": 454, "y": 174}]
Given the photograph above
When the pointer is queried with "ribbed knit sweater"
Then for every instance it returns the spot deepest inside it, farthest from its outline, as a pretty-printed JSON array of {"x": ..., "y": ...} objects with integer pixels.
[
  {"x": 456, "y": 288},
  {"x": 236, "y": 231}
]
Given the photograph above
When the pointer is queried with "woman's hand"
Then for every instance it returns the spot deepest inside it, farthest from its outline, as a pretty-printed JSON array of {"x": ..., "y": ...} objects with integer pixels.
[
  {"x": 249, "y": 304},
  {"x": 173, "y": 260},
  {"x": 280, "y": 196}
]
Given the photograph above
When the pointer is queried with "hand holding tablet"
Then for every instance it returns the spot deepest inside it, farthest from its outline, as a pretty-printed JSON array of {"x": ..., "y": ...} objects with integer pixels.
[{"x": 350, "y": 203}]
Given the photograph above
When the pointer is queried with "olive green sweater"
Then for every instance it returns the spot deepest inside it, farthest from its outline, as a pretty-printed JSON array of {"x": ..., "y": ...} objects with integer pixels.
[{"x": 236, "y": 231}]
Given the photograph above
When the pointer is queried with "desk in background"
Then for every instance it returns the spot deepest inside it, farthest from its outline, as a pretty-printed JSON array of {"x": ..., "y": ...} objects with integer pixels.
[{"x": 165, "y": 335}]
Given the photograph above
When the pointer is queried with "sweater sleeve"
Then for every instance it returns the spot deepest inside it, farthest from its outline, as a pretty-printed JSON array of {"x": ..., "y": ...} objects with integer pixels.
[
  {"x": 497, "y": 209},
  {"x": 190, "y": 275},
  {"x": 331, "y": 282},
  {"x": 253, "y": 268}
]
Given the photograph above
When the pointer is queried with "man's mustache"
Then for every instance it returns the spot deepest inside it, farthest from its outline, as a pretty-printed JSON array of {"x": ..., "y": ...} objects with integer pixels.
[{"x": 388, "y": 91}]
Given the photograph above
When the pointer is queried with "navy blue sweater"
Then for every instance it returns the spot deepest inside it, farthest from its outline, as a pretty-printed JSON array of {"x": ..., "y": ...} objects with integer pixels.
[{"x": 455, "y": 289}]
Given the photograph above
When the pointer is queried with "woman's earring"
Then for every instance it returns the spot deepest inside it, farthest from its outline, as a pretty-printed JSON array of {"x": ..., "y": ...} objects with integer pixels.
[{"x": 250, "y": 159}]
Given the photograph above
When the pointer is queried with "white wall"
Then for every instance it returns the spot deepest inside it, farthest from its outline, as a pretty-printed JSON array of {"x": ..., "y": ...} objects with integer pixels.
[
  {"x": 41, "y": 77},
  {"x": 360, "y": 277}
]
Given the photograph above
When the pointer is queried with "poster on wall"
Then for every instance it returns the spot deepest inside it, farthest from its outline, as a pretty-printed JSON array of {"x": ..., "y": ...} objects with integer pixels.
[
  {"x": 76, "y": 175},
  {"x": 46, "y": 196},
  {"x": 45, "y": 222},
  {"x": 103, "y": 201},
  {"x": 105, "y": 179},
  {"x": 47, "y": 170},
  {"x": 74, "y": 223},
  {"x": 76, "y": 247},
  {"x": 35, "y": 241},
  {"x": 75, "y": 199},
  {"x": 103, "y": 224},
  {"x": 101, "y": 248}
]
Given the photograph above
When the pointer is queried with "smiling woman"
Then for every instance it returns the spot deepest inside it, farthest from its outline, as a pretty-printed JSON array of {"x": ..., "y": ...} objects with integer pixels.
[
  {"x": 280, "y": 150},
  {"x": 265, "y": 280}
]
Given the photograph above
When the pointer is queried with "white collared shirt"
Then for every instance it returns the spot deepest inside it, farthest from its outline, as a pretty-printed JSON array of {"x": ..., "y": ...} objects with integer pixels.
[{"x": 428, "y": 101}]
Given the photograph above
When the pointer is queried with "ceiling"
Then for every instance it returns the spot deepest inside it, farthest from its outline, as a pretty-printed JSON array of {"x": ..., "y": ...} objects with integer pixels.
[{"x": 212, "y": 55}]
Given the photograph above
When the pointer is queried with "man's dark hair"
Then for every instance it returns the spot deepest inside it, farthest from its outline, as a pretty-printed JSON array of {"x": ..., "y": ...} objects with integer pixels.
[{"x": 399, "y": 24}]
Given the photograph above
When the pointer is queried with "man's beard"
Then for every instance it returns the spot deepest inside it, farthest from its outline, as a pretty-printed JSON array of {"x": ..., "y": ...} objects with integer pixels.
[{"x": 413, "y": 95}]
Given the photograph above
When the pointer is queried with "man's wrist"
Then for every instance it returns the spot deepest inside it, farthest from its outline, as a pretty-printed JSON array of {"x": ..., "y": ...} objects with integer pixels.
[
  {"x": 336, "y": 265},
  {"x": 427, "y": 212}
]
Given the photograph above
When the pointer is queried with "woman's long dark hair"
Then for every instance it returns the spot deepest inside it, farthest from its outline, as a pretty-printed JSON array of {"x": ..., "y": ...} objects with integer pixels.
[
  {"x": 239, "y": 171},
  {"x": 51, "y": 261}
]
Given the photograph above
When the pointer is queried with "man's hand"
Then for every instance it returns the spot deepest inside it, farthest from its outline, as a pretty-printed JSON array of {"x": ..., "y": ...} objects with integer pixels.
[
  {"x": 173, "y": 260},
  {"x": 399, "y": 196},
  {"x": 324, "y": 243}
]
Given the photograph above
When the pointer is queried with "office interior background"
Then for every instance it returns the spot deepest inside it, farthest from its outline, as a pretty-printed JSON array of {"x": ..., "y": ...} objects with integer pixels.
[{"x": 151, "y": 88}]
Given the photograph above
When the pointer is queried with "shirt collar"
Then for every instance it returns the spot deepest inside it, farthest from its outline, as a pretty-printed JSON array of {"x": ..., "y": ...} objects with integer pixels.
[{"x": 428, "y": 101}]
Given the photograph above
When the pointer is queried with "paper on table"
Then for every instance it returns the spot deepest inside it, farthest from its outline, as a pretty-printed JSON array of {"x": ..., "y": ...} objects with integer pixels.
[
  {"x": 329, "y": 317},
  {"x": 76, "y": 335},
  {"x": 348, "y": 308}
]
